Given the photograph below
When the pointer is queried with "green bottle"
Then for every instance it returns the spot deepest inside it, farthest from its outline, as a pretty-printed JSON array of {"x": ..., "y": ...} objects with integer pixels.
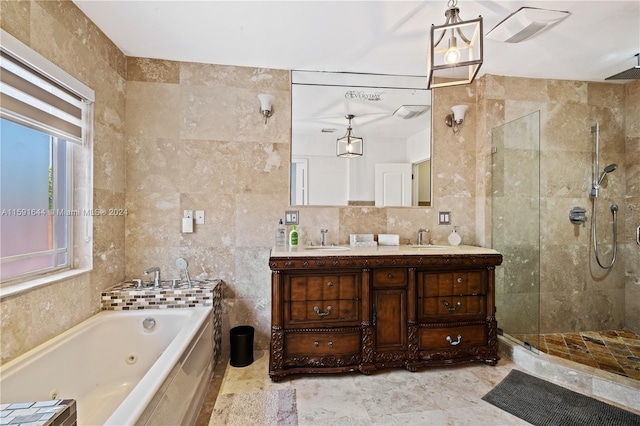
[{"x": 293, "y": 236}]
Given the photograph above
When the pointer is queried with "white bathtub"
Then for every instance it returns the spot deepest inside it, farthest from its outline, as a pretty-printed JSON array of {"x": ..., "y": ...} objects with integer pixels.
[{"x": 118, "y": 372}]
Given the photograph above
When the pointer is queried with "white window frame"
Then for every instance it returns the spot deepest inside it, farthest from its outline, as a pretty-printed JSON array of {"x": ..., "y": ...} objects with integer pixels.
[{"x": 81, "y": 261}]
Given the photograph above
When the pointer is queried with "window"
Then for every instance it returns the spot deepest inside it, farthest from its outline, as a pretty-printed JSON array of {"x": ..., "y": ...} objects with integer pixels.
[{"x": 45, "y": 141}]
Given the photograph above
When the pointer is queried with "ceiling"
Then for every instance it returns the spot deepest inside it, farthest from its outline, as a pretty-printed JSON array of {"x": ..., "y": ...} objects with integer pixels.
[{"x": 597, "y": 40}]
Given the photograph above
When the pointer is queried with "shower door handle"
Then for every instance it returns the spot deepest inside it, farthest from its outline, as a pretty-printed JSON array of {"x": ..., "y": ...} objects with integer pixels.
[{"x": 638, "y": 235}]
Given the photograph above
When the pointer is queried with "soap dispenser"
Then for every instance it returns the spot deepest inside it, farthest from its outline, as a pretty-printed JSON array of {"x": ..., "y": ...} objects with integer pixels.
[
  {"x": 281, "y": 234},
  {"x": 293, "y": 236},
  {"x": 454, "y": 238}
]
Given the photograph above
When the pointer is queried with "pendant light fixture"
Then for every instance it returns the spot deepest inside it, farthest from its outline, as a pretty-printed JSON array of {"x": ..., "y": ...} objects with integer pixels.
[
  {"x": 349, "y": 145},
  {"x": 457, "y": 59}
]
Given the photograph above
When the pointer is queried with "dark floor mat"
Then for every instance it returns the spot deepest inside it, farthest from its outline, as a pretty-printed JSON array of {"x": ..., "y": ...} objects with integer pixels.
[{"x": 543, "y": 403}]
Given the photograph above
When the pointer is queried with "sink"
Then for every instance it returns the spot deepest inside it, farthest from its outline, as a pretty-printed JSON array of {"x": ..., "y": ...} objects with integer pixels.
[{"x": 327, "y": 248}]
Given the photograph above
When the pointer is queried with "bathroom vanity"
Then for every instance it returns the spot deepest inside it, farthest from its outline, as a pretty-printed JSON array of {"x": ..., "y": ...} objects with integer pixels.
[{"x": 339, "y": 309}]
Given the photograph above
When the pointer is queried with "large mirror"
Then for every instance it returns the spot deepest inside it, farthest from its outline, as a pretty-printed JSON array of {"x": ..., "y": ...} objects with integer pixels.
[{"x": 392, "y": 115}]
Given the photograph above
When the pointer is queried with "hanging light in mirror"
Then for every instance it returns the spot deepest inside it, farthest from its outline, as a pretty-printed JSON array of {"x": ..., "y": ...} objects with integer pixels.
[
  {"x": 458, "y": 60},
  {"x": 349, "y": 145}
]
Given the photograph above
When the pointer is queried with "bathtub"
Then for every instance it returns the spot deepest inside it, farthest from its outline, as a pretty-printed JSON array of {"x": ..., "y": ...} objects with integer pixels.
[{"x": 119, "y": 371}]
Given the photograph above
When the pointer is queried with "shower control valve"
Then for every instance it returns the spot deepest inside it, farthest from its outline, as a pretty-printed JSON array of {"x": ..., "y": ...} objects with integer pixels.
[{"x": 577, "y": 215}]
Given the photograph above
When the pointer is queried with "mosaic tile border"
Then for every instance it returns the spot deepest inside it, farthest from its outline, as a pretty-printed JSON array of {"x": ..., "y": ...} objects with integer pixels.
[
  {"x": 57, "y": 412},
  {"x": 125, "y": 296}
]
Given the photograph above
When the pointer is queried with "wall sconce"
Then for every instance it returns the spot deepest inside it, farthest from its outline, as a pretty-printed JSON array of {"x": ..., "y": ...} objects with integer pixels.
[
  {"x": 349, "y": 145},
  {"x": 266, "y": 105},
  {"x": 456, "y": 119},
  {"x": 457, "y": 61}
]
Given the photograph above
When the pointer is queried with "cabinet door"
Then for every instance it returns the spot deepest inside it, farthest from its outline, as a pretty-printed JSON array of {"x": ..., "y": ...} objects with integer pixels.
[{"x": 390, "y": 312}]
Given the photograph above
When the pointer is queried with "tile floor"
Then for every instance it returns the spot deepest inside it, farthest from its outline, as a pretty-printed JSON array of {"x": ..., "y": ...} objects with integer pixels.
[
  {"x": 432, "y": 396},
  {"x": 615, "y": 351}
]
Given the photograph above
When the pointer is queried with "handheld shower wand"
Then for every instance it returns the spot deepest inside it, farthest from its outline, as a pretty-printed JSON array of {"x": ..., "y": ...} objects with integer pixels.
[
  {"x": 608, "y": 169},
  {"x": 182, "y": 264},
  {"x": 595, "y": 191}
]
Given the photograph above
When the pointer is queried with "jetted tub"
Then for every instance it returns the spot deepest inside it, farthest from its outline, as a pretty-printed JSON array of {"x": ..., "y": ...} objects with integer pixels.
[{"x": 150, "y": 366}]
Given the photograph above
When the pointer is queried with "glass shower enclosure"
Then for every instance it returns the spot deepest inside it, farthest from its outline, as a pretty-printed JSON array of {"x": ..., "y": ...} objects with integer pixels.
[{"x": 515, "y": 227}]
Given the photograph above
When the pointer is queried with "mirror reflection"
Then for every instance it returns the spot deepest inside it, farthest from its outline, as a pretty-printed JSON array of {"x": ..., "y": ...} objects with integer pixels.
[{"x": 360, "y": 139}]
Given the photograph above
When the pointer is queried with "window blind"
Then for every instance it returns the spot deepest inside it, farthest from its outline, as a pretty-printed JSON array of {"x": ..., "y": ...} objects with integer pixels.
[{"x": 30, "y": 99}]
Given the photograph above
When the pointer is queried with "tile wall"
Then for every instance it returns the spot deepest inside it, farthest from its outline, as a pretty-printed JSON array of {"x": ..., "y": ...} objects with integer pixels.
[{"x": 61, "y": 33}]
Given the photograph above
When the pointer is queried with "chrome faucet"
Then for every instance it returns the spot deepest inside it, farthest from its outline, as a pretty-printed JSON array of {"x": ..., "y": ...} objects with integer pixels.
[
  {"x": 420, "y": 231},
  {"x": 156, "y": 278},
  {"x": 323, "y": 237}
]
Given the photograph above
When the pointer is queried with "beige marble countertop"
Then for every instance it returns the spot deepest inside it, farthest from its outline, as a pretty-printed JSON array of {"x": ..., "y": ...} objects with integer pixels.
[{"x": 345, "y": 250}]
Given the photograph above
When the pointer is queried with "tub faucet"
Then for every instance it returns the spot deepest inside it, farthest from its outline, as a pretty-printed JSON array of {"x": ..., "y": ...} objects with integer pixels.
[
  {"x": 420, "y": 231},
  {"x": 323, "y": 237},
  {"x": 156, "y": 278}
]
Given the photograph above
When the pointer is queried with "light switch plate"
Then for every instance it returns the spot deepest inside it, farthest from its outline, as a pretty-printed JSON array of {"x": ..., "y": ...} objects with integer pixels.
[
  {"x": 444, "y": 218},
  {"x": 291, "y": 217},
  {"x": 199, "y": 217}
]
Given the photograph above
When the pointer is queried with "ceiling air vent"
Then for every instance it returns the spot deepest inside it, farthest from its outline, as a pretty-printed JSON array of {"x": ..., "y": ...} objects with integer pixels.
[
  {"x": 525, "y": 23},
  {"x": 410, "y": 111}
]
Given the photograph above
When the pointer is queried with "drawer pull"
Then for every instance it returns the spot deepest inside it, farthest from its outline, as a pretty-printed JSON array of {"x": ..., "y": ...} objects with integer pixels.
[
  {"x": 316, "y": 344},
  {"x": 330, "y": 344},
  {"x": 390, "y": 276},
  {"x": 452, "y": 343},
  {"x": 452, "y": 308},
  {"x": 323, "y": 314},
  {"x": 330, "y": 283},
  {"x": 459, "y": 280}
]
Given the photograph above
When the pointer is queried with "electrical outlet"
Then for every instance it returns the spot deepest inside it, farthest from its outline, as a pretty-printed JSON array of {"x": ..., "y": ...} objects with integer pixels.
[
  {"x": 291, "y": 217},
  {"x": 444, "y": 218}
]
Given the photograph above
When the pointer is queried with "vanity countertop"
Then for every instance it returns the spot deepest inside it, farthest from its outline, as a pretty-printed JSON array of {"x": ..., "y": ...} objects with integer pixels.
[{"x": 332, "y": 251}]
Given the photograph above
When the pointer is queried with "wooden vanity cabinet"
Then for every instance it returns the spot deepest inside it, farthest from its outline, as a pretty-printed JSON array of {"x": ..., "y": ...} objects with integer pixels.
[{"x": 345, "y": 313}]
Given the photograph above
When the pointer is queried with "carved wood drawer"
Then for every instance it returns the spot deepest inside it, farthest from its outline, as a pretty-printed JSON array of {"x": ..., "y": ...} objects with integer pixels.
[
  {"x": 322, "y": 313},
  {"x": 451, "y": 283},
  {"x": 432, "y": 339},
  {"x": 389, "y": 277},
  {"x": 452, "y": 308},
  {"x": 322, "y": 343},
  {"x": 322, "y": 287}
]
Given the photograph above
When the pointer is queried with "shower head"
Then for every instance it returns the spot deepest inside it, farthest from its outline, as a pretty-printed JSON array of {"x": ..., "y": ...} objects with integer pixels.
[{"x": 608, "y": 169}]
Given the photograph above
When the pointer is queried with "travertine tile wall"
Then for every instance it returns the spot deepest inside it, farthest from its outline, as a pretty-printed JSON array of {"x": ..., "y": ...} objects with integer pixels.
[
  {"x": 196, "y": 140},
  {"x": 61, "y": 33},
  {"x": 630, "y": 249}
]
